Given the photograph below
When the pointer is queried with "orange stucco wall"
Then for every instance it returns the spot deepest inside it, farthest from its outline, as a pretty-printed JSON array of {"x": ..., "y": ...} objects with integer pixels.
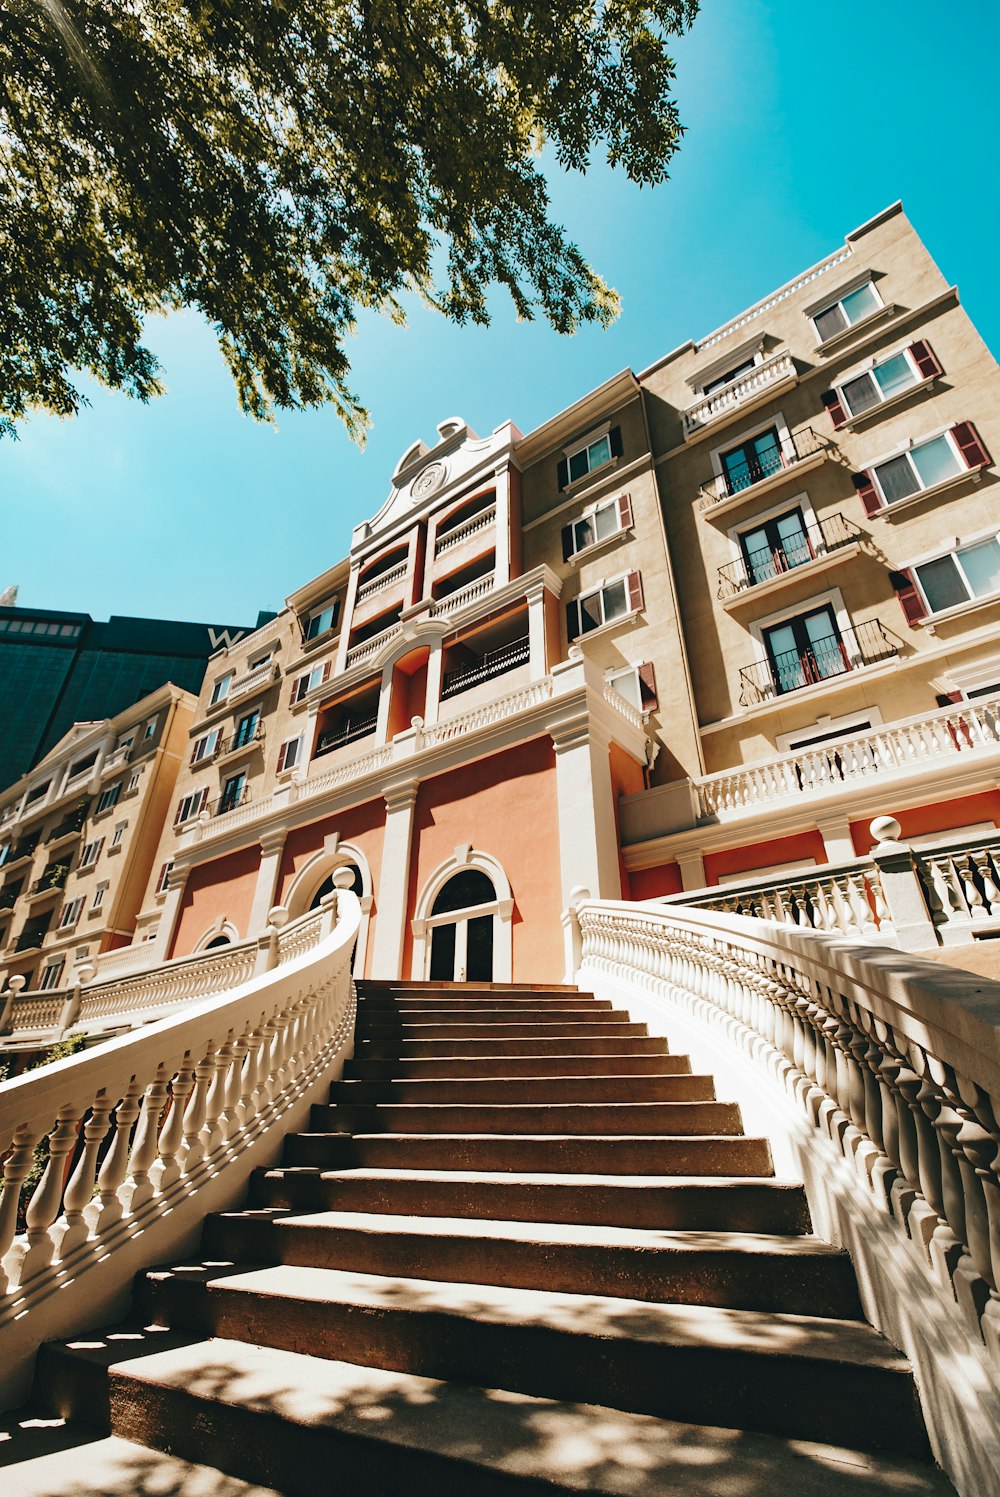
[
  {"x": 760, "y": 854},
  {"x": 505, "y": 806},
  {"x": 363, "y": 825},
  {"x": 223, "y": 887},
  {"x": 650, "y": 883},
  {"x": 626, "y": 779},
  {"x": 940, "y": 816}
]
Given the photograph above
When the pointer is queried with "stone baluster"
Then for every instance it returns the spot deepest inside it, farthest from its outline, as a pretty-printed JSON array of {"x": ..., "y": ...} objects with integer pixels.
[
  {"x": 144, "y": 1149},
  {"x": 80, "y": 1190},
  {"x": 115, "y": 1166},
  {"x": 212, "y": 1132},
  {"x": 46, "y": 1200},
  {"x": 984, "y": 868},
  {"x": 973, "y": 898},
  {"x": 234, "y": 1087},
  {"x": 16, "y": 1169},
  {"x": 168, "y": 1167},
  {"x": 193, "y": 1145}
]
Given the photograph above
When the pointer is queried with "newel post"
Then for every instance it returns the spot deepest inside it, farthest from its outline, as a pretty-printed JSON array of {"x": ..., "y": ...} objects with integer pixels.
[
  {"x": 267, "y": 941},
  {"x": 572, "y": 935},
  {"x": 14, "y": 987},
  {"x": 85, "y": 972},
  {"x": 901, "y": 886}
]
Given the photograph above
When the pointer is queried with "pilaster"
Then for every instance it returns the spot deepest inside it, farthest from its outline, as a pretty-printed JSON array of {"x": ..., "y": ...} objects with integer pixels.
[
  {"x": 536, "y": 630},
  {"x": 394, "y": 881},
  {"x": 272, "y": 845},
  {"x": 176, "y": 880},
  {"x": 588, "y": 838}
]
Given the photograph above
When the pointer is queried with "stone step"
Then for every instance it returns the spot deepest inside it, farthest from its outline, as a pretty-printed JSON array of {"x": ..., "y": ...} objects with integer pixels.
[
  {"x": 444, "y": 1003},
  {"x": 802, "y": 1377},
  {"x": 668, "y": 1119},
  {"x": 311, "y": 1427},
  {"x": 491, "y": 1068},
  {"x": 794, "y": 1275},
  {"x": 529, "y": 1089},
  {"x": 621, "y": 1155},
  {"x": 82, "y": 1466},
  {"x": 664, "y": 1202},
  {"x": 400, "y": 987},
  {"x": 502, "y": 1027},
  {"x": 535, "y": 1044}
]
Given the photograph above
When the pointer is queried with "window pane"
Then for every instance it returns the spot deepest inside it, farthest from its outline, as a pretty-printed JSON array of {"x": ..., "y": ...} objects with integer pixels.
[
  {"x": 760, "y": 561},
  {"x": 615, "y": 600},
  {"x": 981, "y": 565},
  {"x": 935, "y": 461},
  {"x": 860, "y": 303},
  {"x": 606, "y": 521},
  {"x": 794, "y": 543},
  {"x": 583, "y": 534},
  {"x": 897, "y": 479},
  {"x": 591, "y": 613},
  {"x": 627, "y": 686},
  {"x": 578, "y": 465},
  {"x": 942, "y": 583},
  {"x": 600, "y": 452},
  {"x": 829, "y": 322},
  {"x": 894, "y": 375},
  {"x": 861, "y": 394}
]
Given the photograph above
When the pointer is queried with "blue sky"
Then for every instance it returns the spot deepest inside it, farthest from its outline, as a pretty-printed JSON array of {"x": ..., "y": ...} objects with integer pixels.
[{"x": 803, "y": 121}]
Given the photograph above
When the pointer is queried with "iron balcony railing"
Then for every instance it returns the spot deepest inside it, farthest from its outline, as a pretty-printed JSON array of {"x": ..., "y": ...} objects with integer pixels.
[
  {"x": 769, "y": 562},
  {"x": 8, "y": 897},
  {"x": 493, "y": 663},
  {"x": 30, "y": 940},
  {"x": 229, "y": 802},
  {"x": 22, "y": 849},
  {"x": 238, "y": 740},
  {"x": 788, "y": 453},
  {"x": 822, "y": 660},
  {"x": 347, "y": 732},
  {"x": 52, "y": 877},
  {"x": 71, "y": 824}
]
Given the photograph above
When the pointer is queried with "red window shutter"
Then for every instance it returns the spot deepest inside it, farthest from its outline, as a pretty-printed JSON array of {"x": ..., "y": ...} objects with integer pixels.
[
  {"x": 572, "y": 619},
  {"x": 180, "y": 807},
  {"x": 923, "y": 357},
  {"x": 562, "y": 473},
  {"x": 969, "y": 445},
  {"x": 647, "y": 686},
  {"x": 327, "y": 668},
  {"x": 949, "y": 698},
  {"x": 297, "y": 689},
  {"x": 615, "y": 441},
  {"x": 867, "y": 492},
  {"x": 910, "y": 600},
  {"x": 634, "y": 584},
  {"x": 624, "y": 511},
  {"x": 567, "y": 542},
  {"x": 834, "y": 406},
  {"x": 281, "y": 757}
]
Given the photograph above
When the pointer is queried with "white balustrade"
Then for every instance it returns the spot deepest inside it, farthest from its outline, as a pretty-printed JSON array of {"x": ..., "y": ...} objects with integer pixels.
[
  {"x": 490, "y": 712},
  {"x": 178, "y": 1104},
  {"x": 369, "y": 647},
  {"x": 124, "y": 959},
  {"x": 848, "y": 900},
  {"x": 623, "y": 708},
  {"x": 738, "y": 392},
  {"x": 471, "y": 593},
  {"x": 114, "y": 761},
  {"x": 962, "y": 886},
  {"x": 380, "y": 583},
  {"x": 896, "y": 748},
  {"x": 340, "y": 774},
  {"x": 481, "y": 521},
  {"x": 252, "y": 680}
]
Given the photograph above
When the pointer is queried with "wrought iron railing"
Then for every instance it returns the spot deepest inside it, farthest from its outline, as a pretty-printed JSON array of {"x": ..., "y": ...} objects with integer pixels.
[
  {"x": 70, "y": 825},
  {"x": 229, "y": 802},
  {"x": 347, "y": 732},
  {"x": 768, "y": 562},
  {"x": 237, "y": 741},
  {"x": 785, "y": 455},
  {"x": 30, "y": 940},
  {"x": 52, "y": 877},
  {"x": 22, "y": 849},
  {"x": 822, "y": 660},
  {"x": 493, "y": 663}
]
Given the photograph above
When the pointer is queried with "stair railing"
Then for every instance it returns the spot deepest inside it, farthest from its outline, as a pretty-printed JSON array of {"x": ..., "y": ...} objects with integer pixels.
[{"x": 126, "y": 1146}]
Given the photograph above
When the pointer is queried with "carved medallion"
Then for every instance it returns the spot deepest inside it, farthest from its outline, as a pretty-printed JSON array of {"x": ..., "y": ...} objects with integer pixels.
[{"x": 428, "y": 480}]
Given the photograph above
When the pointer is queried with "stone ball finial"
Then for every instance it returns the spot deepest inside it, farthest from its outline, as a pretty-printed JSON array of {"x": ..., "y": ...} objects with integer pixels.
[
  {"x": 278, "y": 916},
  {"x": 416, "y": 722},
  {"x": 17, "y": 983},
  {"x": 885, "y": 829},
  {"x": 86, "y": 972},
  {"x": 343, "y": 878}
]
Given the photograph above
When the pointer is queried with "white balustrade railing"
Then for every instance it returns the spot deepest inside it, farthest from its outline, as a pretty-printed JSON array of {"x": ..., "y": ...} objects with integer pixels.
[
  {"x": 481, "y": 521},
  {"x": 961, "y": 884},
  {"x": 124, "y": 959},
  {"x": 848, "y": 900},
  {"x": 471, "y": 593},
  {"x": 489, "y": 712},
  {"x": 147, "y": 1132},
  {"x": 908, "y": 745},
  {"x": 380, "y": 583},
  {"x": 623, "y": 708},
  {"x": 881, "y": 1072},
  {"x": 738, "y": 392},
  {"x": 252, "y": 680},
  {"x": 369, "y": 647},
  {"x": 114, "y": 761}
]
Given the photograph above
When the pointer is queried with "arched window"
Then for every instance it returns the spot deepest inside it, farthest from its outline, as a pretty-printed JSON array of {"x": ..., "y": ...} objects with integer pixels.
[
  {"x": 327, "y": 886},
  {"x": 463, "y": 890},
  {"x": 462, "y": 945},
  {"x": 218, "y": 941}
]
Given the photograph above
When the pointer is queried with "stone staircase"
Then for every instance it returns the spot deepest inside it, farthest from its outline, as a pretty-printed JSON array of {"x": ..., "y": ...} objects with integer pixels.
[{"x": 524, "y": 1250}]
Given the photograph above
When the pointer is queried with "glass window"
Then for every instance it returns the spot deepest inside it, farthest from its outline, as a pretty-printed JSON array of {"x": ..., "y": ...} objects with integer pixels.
[
  {"x": 854, "y": 307},
  {"x": 972, "y": 572},
  {"x": 981, "y": 565},
  {"x": 109, "y": 797},
  {"x": 729, "y": 376},
  {"x": 942, "y": 583},
  {"x": 51, "y": 975},
  {"x": 894, "y": 375},
  {"x": 221, "y": 689},
  {"x": 321, "y": 621},
  {"x": 232, "y": 790},
  {"x": 246, "y": 729},
  {"x": 935, "y": 461},
  {"x": 752, "y": 461},
  {"x": 596, "y": 526},
  {"x": 589, "y": 458},
  {"x": 205, "y": 746},
  {"x": 925, "y": 465}
]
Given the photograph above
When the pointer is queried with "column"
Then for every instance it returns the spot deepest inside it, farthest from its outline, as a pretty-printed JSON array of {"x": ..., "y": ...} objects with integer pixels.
[
  {"x": 588, "y": 837},
  {"x": 536, "y": 631},
  {"x": 346, "y": 617},
  {"x": 272, "y": 846},
  {"x": 692, "y": 869},
  {"x": 176, "y": 879},
  {"x": 394, "y": 881},
  {"x": 435, "y": 673}
]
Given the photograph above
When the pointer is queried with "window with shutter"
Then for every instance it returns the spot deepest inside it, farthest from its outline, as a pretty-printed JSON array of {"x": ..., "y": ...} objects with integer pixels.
[
  {"x": 924, "y": 359},
  {"x": 969, "y": 445},
  {"x": 831, "y": 400},
  {"x": 614, "y": 600},
  {"x": 957, "y": 577},
  {"x": 637, "y": 684},
  {"x": 598, "y": 523},
  {"x": 592, "y": 453},
  {"x": 924, "y": 465},
  {"x": 910, "y": 600},
  {"x": 288, "y": 755}
]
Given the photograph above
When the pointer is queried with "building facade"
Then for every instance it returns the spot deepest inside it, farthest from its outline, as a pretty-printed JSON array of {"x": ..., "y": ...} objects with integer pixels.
[
  {"x": 78, "y": 836},
  {"x": 703, "y": 625},
  {"x": 57, "y": 669}
]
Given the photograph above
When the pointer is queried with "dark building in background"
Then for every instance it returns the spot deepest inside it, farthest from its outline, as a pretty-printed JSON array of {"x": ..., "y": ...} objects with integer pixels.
[{"x": 60, "y": 668}]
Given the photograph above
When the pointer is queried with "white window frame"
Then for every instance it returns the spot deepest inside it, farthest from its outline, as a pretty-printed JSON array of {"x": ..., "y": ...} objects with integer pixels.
[
  {"x": 211, "y": 739},
  {"x": 254, "y": 662},
  {"x": 121, "y": 828},
  {"x": 748, "y": 353},
  {"x": 287, "y": 768},
  {"x": 97, "y": 902},
  {"x": 598, "y": 434},
  {"x": 133, "y": 781},
  {"x": 834, "y": 598},
  {"x": 150, "y": 728},
  {"x": 90, "y": 862},
  {"x": 869, "y": 367},
  {"x": 850, "y": 722},
  {"x": 108, "y": 798},
  {"x": 593, "y": 510},
  {"x": 739, "y": 438},
  {"x": 220, "y": 688},
  {"x": 866, "y": 278},
  {"x": 904, "y": 451},
  {"x": 311, "y": 684},
  {"x": 938, "y": 555},
  {"x": 71, "y": 912},
  {"x": 51, "y": 973},
  {"x": 760, "y": 517},
  {"x": 628, "y": 673},
  {"x": 163, "y": 878},
  {"x": 599, "y": 588},
  {"x": 331, "y": 606},
  {"x": 195, "y": 802}
]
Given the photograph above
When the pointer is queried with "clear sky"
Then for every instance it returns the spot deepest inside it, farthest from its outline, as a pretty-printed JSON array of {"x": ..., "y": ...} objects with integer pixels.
[{"x": 803, "y": 121}]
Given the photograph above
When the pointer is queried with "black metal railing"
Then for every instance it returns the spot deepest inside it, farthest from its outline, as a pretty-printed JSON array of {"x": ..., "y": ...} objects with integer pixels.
[
  {"x": 30, "y": 939},
  {"x": 821, "y": 660},
  {"x": 9, "y": 896},
  {"x": 763, "y": 565},
  {"x": 52, "y": 877},
  {"x": 73, "y": 823},
  {"x": 240, "y": 740},
  {"x": 230, "y": 802},
  {"x": 493, "y": 663},
  {"x": 756, "y": 469},
  {"x": 346, "y": 732},
  {"x": 22, "y": 849}
]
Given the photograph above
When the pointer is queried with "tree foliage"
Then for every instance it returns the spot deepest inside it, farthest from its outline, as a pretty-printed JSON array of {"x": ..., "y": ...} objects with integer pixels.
[{"x": 280, "y": 166}]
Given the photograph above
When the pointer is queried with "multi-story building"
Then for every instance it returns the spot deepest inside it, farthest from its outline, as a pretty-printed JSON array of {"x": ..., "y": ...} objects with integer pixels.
[
  {"x": 57, "y": 669},
  {"x": 704, "y": 624},
  {"x": 78, "y": 835}
]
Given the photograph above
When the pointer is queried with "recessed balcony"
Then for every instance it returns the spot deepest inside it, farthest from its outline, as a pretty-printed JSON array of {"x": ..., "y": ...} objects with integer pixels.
[
  {"x": 740, "y": 395},
  {"x": 50, "y": 880},
  {"x": 240, "y": 742},
  {"x": 819, "y": 661},
  {"x": 448, "y": 540},
  {"x": 392, "y": 578},
  {"x": 760, "y": 466},
  {"x": 492, "y": 663},
  {"x": 348, "y": 730},
  {"x": 770, "y": 567},
  {"x": 68, "y": 828},
  {"x": 255, "y": 680},
  {"x": 22, "y": 849}
]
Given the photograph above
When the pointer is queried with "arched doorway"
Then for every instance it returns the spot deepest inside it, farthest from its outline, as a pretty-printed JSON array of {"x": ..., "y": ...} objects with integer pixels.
[{"x": 461, "y": 928}]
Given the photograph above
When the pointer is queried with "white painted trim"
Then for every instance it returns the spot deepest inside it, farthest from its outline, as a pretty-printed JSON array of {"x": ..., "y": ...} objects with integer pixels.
[
  {"x": 844, "y": 289},
  {"x": 787, "y": 743},
  {"x": 219, "y": 927},
  {"x": 738, "y": 438},
  {"x": 502, "y": 910}
]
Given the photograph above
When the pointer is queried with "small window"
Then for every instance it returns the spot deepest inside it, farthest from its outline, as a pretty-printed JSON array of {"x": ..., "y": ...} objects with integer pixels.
[
  {"x": 221, "y": 689},
  {"x": 126, "y": 742},
  {"x": 615, "y": 600},
  {"x": 256, "y": 661},
  {"x": 880, "y": 383},
  {"x": 36, "y": 793},
  {"x": 205, "y": 746},
  {"x": 596, "y": 525},
  {"x": 921, "y": 467},
  {"x": 98, "y": 898},
  {"x": 720, "y": 380},
  {"x": 133, "y": 782},
  {"x": 303, "y": 685},
  {"x": 162, "y": 883},
  {"x": 232, "y": 792},
  {"x": 51, "y": 974},
  {"x": 960, "y": 576},
  {"x": 108, "y": 797},
  {"x": 289, "y": 754},
  {"x": 71, "y": 912},
  {"x": 246, "y": 730},
  {"x": 851, "y": 308},
  {"x": 191, "y": 805},
  {"x": 79, "y": 766},
  {"x": 150, "y": 729},
  {"x": 120, "y": 830},
  {"x": 91, "y": 853},
  {"x": 323, "y": 620},
  {"x": 589, "y": 455}
]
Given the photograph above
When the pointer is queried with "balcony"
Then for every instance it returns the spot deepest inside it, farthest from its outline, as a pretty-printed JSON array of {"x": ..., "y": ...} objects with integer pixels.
[
  {"x": 31, "y": 940},
  {"x": 792, "y": 457},
  {"x": 22, "y": 849},
  {"x": 823, "y": 660},
  {"x": 50, "y": 880},
  {"x": 237, "y": 742},
  {"x": 9, "y": 896},
  {"x": 463, "y": 597},
  {"x": 115, "y": 760},
  {"x": 465, "y": 531},
  {"x": 71, "y": 826},
  {"x": 772, "y": 565},
  {"x": 492, "y": 663},
  {"x": 366, "y": 648},
  {"x": 750, "y": 389},
  {"x": 379, "y": 584},
  {"x": 347, "y": 731},
  {"x": 227, "y": 803}
]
